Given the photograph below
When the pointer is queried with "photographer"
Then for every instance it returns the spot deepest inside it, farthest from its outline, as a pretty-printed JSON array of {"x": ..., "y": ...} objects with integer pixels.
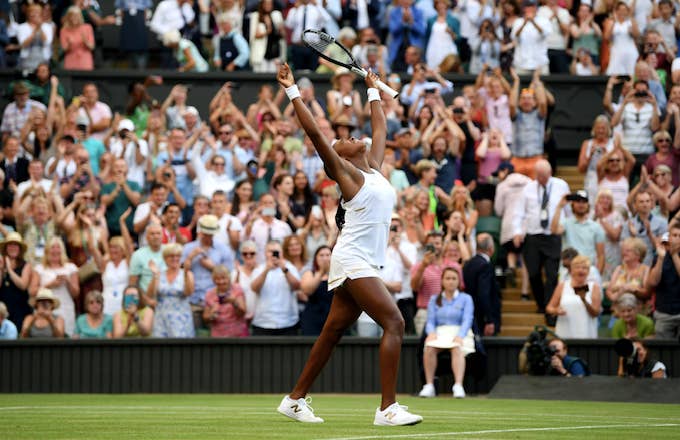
[
  {"x": 634, "y": 360},
  {"x": 561, "y": 364}
]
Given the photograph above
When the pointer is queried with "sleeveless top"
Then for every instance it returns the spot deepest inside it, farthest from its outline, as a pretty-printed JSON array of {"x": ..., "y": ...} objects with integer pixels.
[
  {"x": 41, "y": 332},
  {"x": 114, "y": 280},
  {"x": 577, "y": 323},
  {"x": 15, "y": 299},
  {"x": 367, "y": 220}
]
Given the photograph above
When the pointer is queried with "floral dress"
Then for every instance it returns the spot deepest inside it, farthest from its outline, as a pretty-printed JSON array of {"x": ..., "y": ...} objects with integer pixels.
[{"x": 173, "y": 318}]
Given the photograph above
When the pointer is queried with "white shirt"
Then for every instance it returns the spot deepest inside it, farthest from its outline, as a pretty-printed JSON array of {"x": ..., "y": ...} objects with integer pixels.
[
  {"x": 209, "y": 181},
  {"x": 277, "y": 303},
  {"x": 64, "y": 167},
  {"x": 24, "y": 30},
  {"x": 556, "y": 39},
  {"x": 141, "y": 212},
  {"x": 531, "y": 52},
  {"x": 262, "y": 232},
  {"x": 136, "y": 172},
  {"x": 168, "y": 16},
  {"x": 470, "y": 17},
  {"x": 45, "y": 184},
  {"x": 316, "y": 19},
  {"x": 234, "y": 225},
  {"x": 529, "y": 206},
  {"x": 392, "y": 258}
]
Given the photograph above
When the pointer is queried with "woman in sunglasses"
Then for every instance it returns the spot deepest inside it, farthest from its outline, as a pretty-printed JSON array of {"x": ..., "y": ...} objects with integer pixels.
[{"x": 613, "y": 172}]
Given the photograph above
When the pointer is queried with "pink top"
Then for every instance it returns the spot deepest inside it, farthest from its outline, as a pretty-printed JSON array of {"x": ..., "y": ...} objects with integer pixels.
[
  {"x": 431, "y": 283},
  {"x": 227, "y": 323},
  {"x": 672, "y": 160},
  {"x": 490, "y": 163},
  {"x": 78, "y": 56},
  {"x": 498, "y": 114}
]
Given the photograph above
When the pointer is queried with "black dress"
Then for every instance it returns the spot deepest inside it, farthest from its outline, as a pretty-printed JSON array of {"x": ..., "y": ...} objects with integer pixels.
[
  {"x": 316, "y": 311},
  {"x": 15, "y": 299}
]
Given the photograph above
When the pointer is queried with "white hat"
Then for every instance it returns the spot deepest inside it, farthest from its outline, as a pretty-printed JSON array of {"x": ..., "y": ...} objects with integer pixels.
[
  {"x": 208, "y": 224},
  {"x": 126, "y": 124}
]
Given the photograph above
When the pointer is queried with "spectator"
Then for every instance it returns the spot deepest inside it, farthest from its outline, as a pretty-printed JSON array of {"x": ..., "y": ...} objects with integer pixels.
[
  {"x": 77, "y": 41},
  {"x": 621, "y": 33},
  {"x": 577, "y": 303},
  {"x": 295, "y": 253},
  {"x": 140, "y": 270},
  {"x": 612, "y": 222},
  {"x": 491, "y": 153},
  {"x": 645, "y": 72},
  {"x": 16, "y": 276},
  {"x": 315, "y": 294},
  {"x": 94, "y": 323},
  {"x": 630, "y": 275},
  {"x": 230, "y": 227},
  {"x": 119, "y": 196},
  {"x": 242, "y": 204},
  {"x": 564, "y": 275},
  {"x": 267, "y": 42},
  {"x": 185, "y": 52},
  {"x": 63, "y": 163},
  {"x": 8, "y": 330},
  {"x": 342, "y": 99},
  {"x": 172, "y": 231},
  {"x": 35, "y": 39},
  {"x": 114, "y": 267},
  {"x": 631, "y": 324},
  {"x": 171, "y": 15},
  {"x": 583, "y": 64},
  {"x": 494, "y": 90},
  {"x": 665, "y": 278},
  {"x": 578, "y": 231},
  {"x": 407, "y": 27},
  {"x": 645, "y": 225},
  {"x": 592, "y": 151},
  {"x": 176, "y": 157},
  {"x": 201, "y": 256},
  {"x": 60, "y": 277},
  {"x": 227, "y": 146},
  {"x": 15, "y": 167},
  {"x": 665, "y": 155},
  {"x": 265, "y": 227},
  {"x": 415, "y": 92},
  {"x": 564, "y": 365},
  {"x": 305, "y": 14},
  {"x": 540, "y": 249},
  {"x": 640, "y": 364},
  {"x": 35, "y": 221},
  {"x": 44, "y": 322},
  {"x": 150, "y": 211},
  {"x": 530, "y": 34},
  {"x": 132, "y": 17},
  {"x": 36, "y": 180},
  {"x": 613, "y": 171},
  {"x": 506, "y": 200},
  {"x": 528, "y": 110},
  {"x": 481, "y": 283},
  {"x": 132, "y": 321},
  {"x": 212, "y": 175},
  {"x": 83, "y": 181},
  {"x": 225, "y": 307},
  {"x": 471, "y": 14},
  {"x": 586, "y": 33},
  {"x": 231, "y": 51},
  {"x": 16, "y": 113},
  {"x": 485, "y": 48},
  {"x": 558, "y": 37},
  {"x": 441, "y": 34},
  {"x": 275, "y": 283},
  {"x": 243, "y": 276},
  {"x": 449, "y": 327},
  {"x": 94, "y": 147},
  {"x": 510, "y": 11},
  {"x": 173, "y": 113},
  {"x": 666, "y": 25},
  {"x": 168, "y": 293},
  {"x": 125, "y": 144}
]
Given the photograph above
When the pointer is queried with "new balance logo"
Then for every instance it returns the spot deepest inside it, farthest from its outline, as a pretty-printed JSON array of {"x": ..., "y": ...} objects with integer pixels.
[
  {"x": 296, "y": 408},
  {"x": 390, "y": 415}
]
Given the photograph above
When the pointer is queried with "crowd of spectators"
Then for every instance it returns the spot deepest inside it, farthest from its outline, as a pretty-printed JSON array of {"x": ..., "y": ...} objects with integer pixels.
[{"x": 160, "y": 221}]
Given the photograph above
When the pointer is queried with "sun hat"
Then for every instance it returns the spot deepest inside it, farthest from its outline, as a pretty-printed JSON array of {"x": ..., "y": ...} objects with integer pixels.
[{"x": 45, "y": 295}]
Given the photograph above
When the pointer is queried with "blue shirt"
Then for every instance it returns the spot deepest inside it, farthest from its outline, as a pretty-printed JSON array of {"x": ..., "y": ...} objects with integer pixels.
[
  {"x": 228, "y": 156},
  {"x": 219, "y": 254},
  {"x": 528, "y": 131},
  {"x": 178, "y": 163},
  {"x": 96, "y": 149},
  {"x": 459, "y": 310},
  {"x": 582, "y": 236},
  {"x": 574, "y": 366},
  {"x": 8, "y": 330}
]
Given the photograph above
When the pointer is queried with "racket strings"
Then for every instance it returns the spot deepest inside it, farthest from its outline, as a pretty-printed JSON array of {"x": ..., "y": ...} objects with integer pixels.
[{"x": 328, "y": 47}]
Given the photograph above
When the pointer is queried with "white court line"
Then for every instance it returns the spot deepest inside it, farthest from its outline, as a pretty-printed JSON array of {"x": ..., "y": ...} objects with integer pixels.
[{"x": 503, "y": 431}]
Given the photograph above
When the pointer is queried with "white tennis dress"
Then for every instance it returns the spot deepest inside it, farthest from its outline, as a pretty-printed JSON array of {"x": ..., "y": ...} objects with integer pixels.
[{"x": 361, "y": 247}]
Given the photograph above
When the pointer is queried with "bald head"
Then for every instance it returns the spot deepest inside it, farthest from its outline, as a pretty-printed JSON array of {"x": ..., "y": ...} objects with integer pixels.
[
  {"x": 543, "y": 171},
  {"x": 485, "y": 244}
]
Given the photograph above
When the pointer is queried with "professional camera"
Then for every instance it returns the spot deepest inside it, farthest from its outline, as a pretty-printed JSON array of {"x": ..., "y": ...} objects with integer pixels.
[
  {"x": 627, "y": 350},
  {"x": 535, "y": 356}
]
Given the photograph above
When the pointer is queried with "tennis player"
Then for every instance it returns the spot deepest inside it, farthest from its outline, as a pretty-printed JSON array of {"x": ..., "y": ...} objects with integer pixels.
[{"x": 356, "y": 259}]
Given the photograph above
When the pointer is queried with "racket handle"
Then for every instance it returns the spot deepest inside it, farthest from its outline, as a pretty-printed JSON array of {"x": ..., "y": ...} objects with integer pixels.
[{"x": 387, "y": 89}]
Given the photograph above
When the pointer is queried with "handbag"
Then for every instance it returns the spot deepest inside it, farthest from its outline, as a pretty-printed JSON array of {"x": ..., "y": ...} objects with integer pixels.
[{"x": 88, "y": 271}]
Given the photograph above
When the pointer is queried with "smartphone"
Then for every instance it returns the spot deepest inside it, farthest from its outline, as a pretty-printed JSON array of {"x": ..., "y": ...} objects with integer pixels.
[
  {"x": 129, "y": 300},
  {"x": 276, "y": 254},
  {"x": 624, "y": 77},
  {"x": 316, "y": 211},
  {"x": 430, "y": 248},
  {"x": 221, "y": 299},
  {"x": 394, "y": 228}
]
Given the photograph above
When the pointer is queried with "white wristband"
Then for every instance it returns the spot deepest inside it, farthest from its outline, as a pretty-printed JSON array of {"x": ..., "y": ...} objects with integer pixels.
[
  {"x": 293, "y": 92},
  {"x": 373, "y": 94}
]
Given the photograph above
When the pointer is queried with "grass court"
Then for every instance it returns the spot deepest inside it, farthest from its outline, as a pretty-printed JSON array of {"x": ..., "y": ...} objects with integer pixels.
[{"x": 240, "y": 416}]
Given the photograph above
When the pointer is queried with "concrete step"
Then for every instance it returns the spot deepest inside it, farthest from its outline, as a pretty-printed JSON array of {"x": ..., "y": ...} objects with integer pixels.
[
  {"x": 520, "y": 331},
  {"x": 512, "y": 293},
  {"x": 518, "y": 306},
  {"x": 522, "y": 319}
]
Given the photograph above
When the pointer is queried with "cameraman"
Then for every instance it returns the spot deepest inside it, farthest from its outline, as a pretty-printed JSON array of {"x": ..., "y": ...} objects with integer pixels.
[
  {"x": 561, "y": 364},
  {"x": 634, "y": 362}
]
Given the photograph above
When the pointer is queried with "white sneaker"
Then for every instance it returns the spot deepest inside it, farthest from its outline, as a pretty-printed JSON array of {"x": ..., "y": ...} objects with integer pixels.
[
  {"x": 458, "y": 391},
  {"x": 298, "y": 410},
  {"x": 396, "y": 415},
  {"x": 428, "y": 391}
]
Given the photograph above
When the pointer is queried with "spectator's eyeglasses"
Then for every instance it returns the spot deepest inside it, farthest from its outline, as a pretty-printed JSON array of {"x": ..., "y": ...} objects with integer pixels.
[
  {"x": 659, "y": 174},
  {"x": 248, "y": 254},
  {"x": 614, "y": 159},
  {"x": 219, "y": 164},
  {"x": 225, "y": 132},
  {"x": 667, "y": 140}
]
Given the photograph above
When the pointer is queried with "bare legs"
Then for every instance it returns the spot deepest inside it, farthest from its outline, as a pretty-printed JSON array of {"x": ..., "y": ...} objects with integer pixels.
[
  {"x": 458, "y": 365},
  {"x": 430, "y": 364},
  {"x": 370, "y": 295}
]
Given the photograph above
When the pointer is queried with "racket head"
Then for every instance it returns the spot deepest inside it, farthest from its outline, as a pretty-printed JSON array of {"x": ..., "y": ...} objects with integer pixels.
[{"x": 322, "y": 44}]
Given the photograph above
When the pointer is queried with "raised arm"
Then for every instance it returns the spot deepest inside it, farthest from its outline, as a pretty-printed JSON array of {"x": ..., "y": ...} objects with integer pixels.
[{"x": 378, "y": 123}]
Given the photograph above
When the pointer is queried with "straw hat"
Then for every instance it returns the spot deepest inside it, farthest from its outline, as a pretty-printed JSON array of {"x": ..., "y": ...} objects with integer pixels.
[
  {"x": 343, "y": 121},
  {"x": 13, "y": 237},
  {"x": 208, "y": 224},
  {"x": 45, "y": 295}
]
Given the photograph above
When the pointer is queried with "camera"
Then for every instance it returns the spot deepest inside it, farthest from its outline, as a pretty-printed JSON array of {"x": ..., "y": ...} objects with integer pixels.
[
  {"x": 538, "y": 352},
  {"x": 222, "y": 299},
  {"x": 81, "y": 127},
  {"x": 641, "y": 94},
  {"x": 276, "y": 254},
  {"x": 627, "y": 350},
  {"x": 458, "y": 111},
  {"x": 167, "y": 175},
  {"x": 624, "y": 78},
  {"x": 430, "y": 248},
  {"x": 393, "y": 228},
  {"x": 431, "y": 90}
]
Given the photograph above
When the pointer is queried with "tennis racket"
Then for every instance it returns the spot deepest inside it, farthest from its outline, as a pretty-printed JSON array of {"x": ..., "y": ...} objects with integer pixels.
[{"x": 323, "y": 44}]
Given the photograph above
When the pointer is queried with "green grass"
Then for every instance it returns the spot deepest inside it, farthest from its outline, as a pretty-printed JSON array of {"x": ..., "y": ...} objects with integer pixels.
[{"x": 205, "y": 417}]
